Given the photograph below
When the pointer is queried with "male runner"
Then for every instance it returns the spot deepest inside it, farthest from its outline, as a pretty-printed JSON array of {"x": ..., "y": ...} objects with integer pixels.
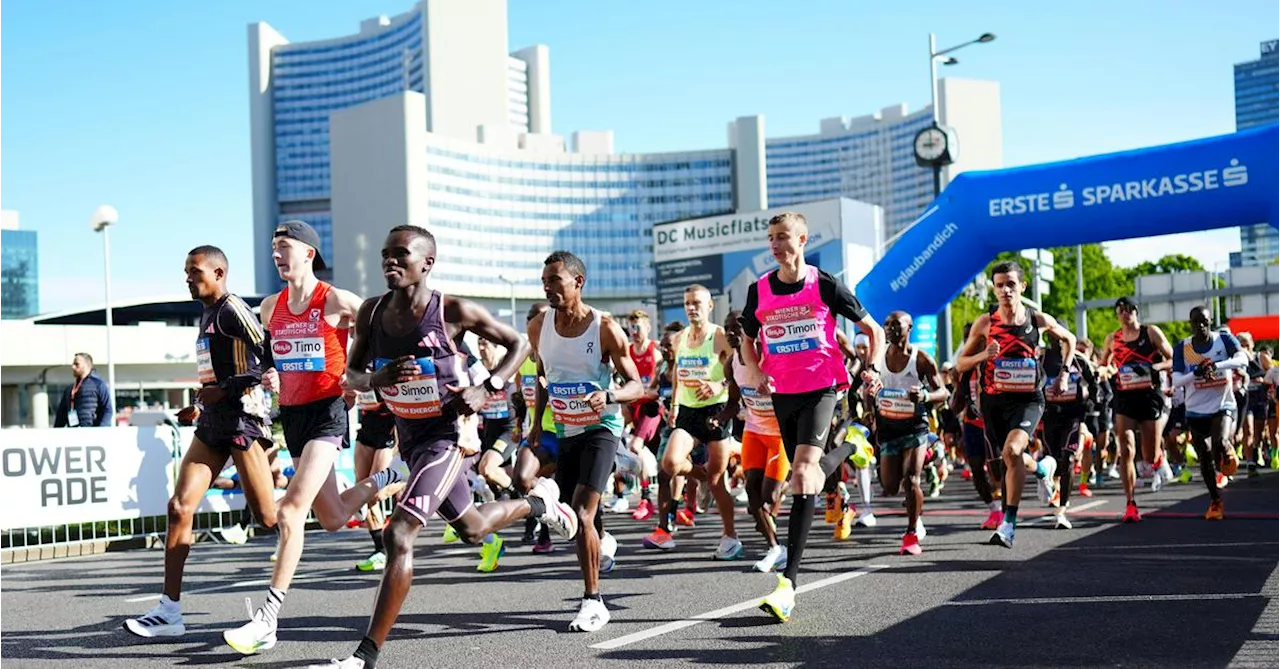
[
  {"x": 1138, "y": 352},
  {"x": 660, "y": 538},
  {"x": 1253, "y": 414},
  {"x": 230, "y": 414},
  {"x": 909, "y": 384},
  {"x": 979, "y": 454},
  {"x": 575, "y": 344},
  {"x": 307, "y": 323},
  {"x": 410, "y": 333},
  {"x": 375, "y": 448},
  {"x": 644, "y": 415},
  {"x": 792, "y": 312},
  {"x": 1063, "y": 414},
  {"x": 497, "y": 437},
  {"x": 698, "y": 413},
  {"x": 1012, "y": 402},
  {"x": 534, "y": 461},
  {"x": 1203, "y": 364}
]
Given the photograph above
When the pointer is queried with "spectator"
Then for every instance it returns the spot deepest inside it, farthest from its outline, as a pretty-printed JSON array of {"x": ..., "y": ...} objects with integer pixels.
[{"x": 88, "y": 402}]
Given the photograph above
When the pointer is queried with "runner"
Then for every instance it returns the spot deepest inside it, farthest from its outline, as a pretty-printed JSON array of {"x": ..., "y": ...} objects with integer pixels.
[
  {"x": 698, "y": 415},
  {"x": 1270, "y": 381},
  {"x": 497, "y": 436},
  {"x": 1011, "y": 400},
  {"x": 1138, "y": 351},
  {"x": 792, "y": 311},
  {"x": 909, "y": 384},
  {"x": 764, "y": 461},
  {"x": 1063, "y": 414},
  {"x": 534, "y": 461},
  {"x": 375, "y": 448},
  {"x": 307, "y": 323},
  {"x": 1203, "y": 364},
  {"x": 1253, "y": 411},
  {"x": 981, "y": 458},
  {"x": 575, "y": 344},
  {"x": 229, "y": 414},
  {"x": 660, "y": 538},
  {"x": 410, "y": 334},
  {"x": 644, "y": 415}
]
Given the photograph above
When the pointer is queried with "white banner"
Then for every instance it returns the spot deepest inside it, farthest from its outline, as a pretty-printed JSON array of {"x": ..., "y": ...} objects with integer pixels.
[{"x": 83, "y": 475}]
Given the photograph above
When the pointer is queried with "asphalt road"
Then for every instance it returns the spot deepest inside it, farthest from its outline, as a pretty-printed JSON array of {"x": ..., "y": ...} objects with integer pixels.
[{"x": 1174, "y": 590}]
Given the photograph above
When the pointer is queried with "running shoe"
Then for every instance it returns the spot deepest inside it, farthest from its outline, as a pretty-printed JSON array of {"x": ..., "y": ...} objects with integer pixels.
[
  {"x": 1157, "y": 481},
  {"x": 164, "y": 619},
  {"x": 833, "y": 508},
  {"x": 1222, "y": 480},
  {"x": 235, "y": 535},
  {"x": 1061, "y": 522},
  {"x": 867, "y": 519},
  {"x": 660, "y": 539},
  {"x": 544, "y": 546},
  {"x": 1185, "y": 476},
  {"x": 1084, "y": 490},
  {"x": 775, "y": 558},
  {"x": 1131, "y": 514},
  {"x": 1215, "y": 510},
  {"x": 252, "y": 636},
  {"x": 993, "y": 521},
  {"x": 620, "y": 505},
  {"x": 608, "y": 549},
  {"x": 592, "y": 616},
  {"x": 910, "y": 544},
  {"x": 921, "y": 533},
  {"x": 349, "y": 663},
  {"x": 375, "y": 562},
  {"x": 450, "y": 535},
  {"x": 490, "y": 553},
  {"x": 844, "y": 527},
  {"x": 559, "y": 517},
  {"x": 644, "y": 510},
  {"x": 1003, "y": 536},
  {"x": 729, "y": 549},
  {"x": 781, "y": 601},
  {"x": 1231, "y": 463},
  {"x": 1046, "y": 470},
  {"x": 685, "y": 518}
]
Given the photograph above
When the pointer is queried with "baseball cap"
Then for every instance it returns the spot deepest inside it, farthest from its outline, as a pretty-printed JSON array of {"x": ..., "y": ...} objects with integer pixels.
[{"x": 304, "y": 233}]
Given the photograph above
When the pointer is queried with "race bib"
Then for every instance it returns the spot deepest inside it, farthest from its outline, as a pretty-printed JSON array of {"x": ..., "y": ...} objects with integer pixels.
[
  {"x": 529, "y": 390},
  {"x": 758, "y": 404},
  {"x": 1015, "y": 375},
  {"x": 1071, "y": 393},
  {"x": 895, "y": 404},
  {"x": 789, "y": 330},
  {"x": 665, "y": 392},
  {"x": 1216, "y": 382},
  {"x": 204, "y": 362},
  {"x": 367, "y": 400},
  {"x": 1133, "y": 377},
  {"x": 692, "y": 369},
  {"x": 415, "y": 399},
  {"x": 496, "y": 407},
  {"x": 569, "y": 404},
  {"x": 299, "y": 354}
]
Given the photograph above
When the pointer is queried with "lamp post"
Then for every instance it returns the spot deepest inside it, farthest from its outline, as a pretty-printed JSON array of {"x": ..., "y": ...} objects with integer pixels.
[
  {"x": 935, "y": 55},
  {"x": 103, "y": 218},
  {"x": 512, "y": 284}
]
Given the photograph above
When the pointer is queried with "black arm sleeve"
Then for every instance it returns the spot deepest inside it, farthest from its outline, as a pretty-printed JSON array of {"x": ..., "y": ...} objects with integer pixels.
[
  {"x": 839, "y": 298},
  {"x": 751, "y": 324},
  {"x": 237, "y": 321}
]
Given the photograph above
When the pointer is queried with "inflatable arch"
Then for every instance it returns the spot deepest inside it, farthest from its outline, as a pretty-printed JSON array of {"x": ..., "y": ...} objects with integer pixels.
[{"x": 1217, "y": 182}]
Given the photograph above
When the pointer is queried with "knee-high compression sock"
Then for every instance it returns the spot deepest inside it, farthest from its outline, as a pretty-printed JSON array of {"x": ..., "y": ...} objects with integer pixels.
[{"x": 798, "y": 526}]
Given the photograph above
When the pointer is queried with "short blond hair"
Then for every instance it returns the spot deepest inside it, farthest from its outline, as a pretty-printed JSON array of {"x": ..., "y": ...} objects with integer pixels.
[
  {"x": 637, "y": 315},
  {"x": 792, "y": 217}
]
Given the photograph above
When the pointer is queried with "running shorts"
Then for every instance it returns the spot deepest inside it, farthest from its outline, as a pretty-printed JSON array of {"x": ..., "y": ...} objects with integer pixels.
[
  {"x": 322, "y": 420},
  {"x": 585, "y": 460},
  {"x": 697, "y": 422},
  {"x": 438, "y": 483},
  {"x": 377, "y": 430},
  {"x": 1140, "y": 405},
  {"x": 225, "y": 429},
  {"x": 1002, "y": 416},
  {"x": 762, "y": 451},
  {"x": 804, "y": 418}
]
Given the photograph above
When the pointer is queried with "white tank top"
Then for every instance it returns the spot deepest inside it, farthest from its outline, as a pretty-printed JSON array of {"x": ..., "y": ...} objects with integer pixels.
[
  {"x": 908, "y": 378},
  {"x": 575, "y": 368},
  {"x": 893, "y": 402}
]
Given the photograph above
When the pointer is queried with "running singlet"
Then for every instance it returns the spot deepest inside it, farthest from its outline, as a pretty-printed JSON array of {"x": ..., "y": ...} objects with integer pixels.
[
  {"x": 229, "y": 349},
  {"x": 798, "y": 338},
  {"x": 1133, "y": 360},
  {"x": 422, "y": 406},
  {"x": 897, "y": 413},
  {"x": 760, "y": 418},
  {"x": 1014, "y": 371},
  {"x": 972, "y": 393},
  {"x": 575, "y": 368},
  {"x": 310, "y": 354},
  {"x": 645, "y": 364},
  {"x": 1206, "y": 397},
  {"x": 1074, "y": 396},
  {"x": 529, "y": 391},
  {"x": 699, "y": 364}
]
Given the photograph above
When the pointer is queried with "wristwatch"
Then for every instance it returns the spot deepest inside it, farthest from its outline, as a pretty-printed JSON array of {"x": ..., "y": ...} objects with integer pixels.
[
  {"x": 495, "y": 384},
  {"x": 609, "y": 398}
]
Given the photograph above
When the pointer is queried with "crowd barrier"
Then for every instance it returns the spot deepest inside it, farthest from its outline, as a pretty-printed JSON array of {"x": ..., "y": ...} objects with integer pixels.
[{"x": 65, "y": 487}]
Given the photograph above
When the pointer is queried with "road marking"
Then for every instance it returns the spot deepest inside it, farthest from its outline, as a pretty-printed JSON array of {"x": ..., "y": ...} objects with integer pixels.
[
  {"x": 1134, "y": 547},
  {"x": 299, "y": 577},
  {"x": 728, "y": 610},
  {"x": 1070, "y": 511},
  {"x": 1108, "y": 599}
]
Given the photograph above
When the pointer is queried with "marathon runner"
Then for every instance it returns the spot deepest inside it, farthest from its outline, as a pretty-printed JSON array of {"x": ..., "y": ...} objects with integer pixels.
[
  {"x": 644, "y": 415},
  {"x": 230, "y": 417},
  {"x": 1062, "y": 418},
  {"x": 375, "y": 448},
  {"x": 792, "y": 312},
  {"x": 1253, "y": 411},
  {"x": 574, "y": 344},
  {"x": 410, "y": 335},
  {"x": 981, "y": 458},
  {"x": 1011, "y": 401}
]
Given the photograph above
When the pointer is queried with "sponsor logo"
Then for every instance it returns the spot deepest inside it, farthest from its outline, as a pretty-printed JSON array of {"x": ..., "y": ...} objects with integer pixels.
[
  {"x": 314, "y": 315},
  {"x": 391, "y": 391},
  {"x": 559, "y": 404},
  {"x": 684, "y": 373},
  {"x": 281, "y": 347},
  {"x": 775, "y": 331},
  {"x": 1004, "y": 376}
]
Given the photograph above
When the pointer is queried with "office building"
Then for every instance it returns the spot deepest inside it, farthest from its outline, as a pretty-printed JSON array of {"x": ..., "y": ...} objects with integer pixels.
[
  {"x": 20, "y": 272},
  {"x": 361, "y": 133},
  {"x": 1258, "y": 103}
]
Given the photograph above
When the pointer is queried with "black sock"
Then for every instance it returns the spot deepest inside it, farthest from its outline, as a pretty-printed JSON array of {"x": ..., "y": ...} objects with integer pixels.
[
  {"x": 645, "y": 486},
  {"x": 596, "y": 596},
  {"x": 599, "y": 524},
  {"x": 376, "y": 535},
  {"x": 537, "y": 506},
  {"x": 511, "y": 492},
  {"x": 544, "y": 535},
  {"x": 368, "y": 651},
  {"x": 798, "y": 525}
]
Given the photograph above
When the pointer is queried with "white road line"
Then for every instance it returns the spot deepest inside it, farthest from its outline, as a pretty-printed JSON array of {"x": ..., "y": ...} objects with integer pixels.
[
  {"x": 1049, "y": 517},
  {"x": 299, "y": 577},
  {"x": 728, "y": 610},
  {"x": 1137, "y": 547},
  {"x": 1108, "y": 599}
]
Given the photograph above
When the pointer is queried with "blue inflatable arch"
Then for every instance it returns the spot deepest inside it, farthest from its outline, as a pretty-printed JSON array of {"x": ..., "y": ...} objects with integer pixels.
[{"x": 1218, "y": 182}]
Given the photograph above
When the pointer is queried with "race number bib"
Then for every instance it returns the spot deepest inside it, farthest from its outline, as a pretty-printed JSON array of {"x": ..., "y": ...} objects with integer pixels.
[
  {"x": 529, "y": 390},
  {"x": 1069, "y": 395},
  {"x": 204, "y": 362},
  {"x": 792, "y": 329},
  {"x": 569, "y": 404},
  {"x": 895, "y": 404},
  {"x": 1134, "y": 377},
  {"x": 1015, "y": 375},
  {"x": 299, "y": 354},
  {"x": 757, "y": 404},
  {"x": 496, "y": 407},
  {"x": 415, "y": 399},
  {"x": 367, "y": 400},
  {"x": 691, "y": 369}
]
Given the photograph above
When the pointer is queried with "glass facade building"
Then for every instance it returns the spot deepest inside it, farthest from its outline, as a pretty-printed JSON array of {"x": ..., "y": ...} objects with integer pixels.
[
  {"x": 19, "y": 274},
  {"x": 1257, "y": 87}
]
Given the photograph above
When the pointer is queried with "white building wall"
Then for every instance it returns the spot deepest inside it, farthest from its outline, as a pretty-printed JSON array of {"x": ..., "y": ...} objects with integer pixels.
[
  {"x": 466, "y": 60},
  {"x": 262, "y": 141},
  {"x": 746, "y": 138},
  {"x": 972, "y": 107},
  {"x": 538, "y": 78}
]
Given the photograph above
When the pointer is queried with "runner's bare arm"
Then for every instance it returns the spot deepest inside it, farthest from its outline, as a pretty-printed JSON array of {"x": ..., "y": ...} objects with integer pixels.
[
  {"x": 1104, "y": 360},
  {"x": 655, "y": 380},
  {"x": 614, "y": 344},
  {"x": 270, "y": 378},
  {"x": 470, "y": 316},
  {"x": 1064, "y": 336},
  {"x": 1161, "y": 343},
  {"x": 875, "y": 351},
  {"x": 928, "y": 371},
  {"x": 974, "y": 353},
  {"x": 358, "y": 357},
  {"x": 343, "y": 304}
]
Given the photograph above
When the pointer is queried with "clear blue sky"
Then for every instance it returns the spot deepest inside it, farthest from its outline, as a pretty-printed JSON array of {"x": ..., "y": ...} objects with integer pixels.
[{"x": 144, "y": 104}]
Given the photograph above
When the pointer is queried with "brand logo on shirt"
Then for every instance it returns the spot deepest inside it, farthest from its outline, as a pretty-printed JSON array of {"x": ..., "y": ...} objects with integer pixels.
[
  {"x": 390, "y": 391},
  {"x": 281, "y": 347},
  {"x": 559, "y": 405},
  {"x": 774, "y": 331},
  {"x": 209, "y": 330},
  {"x": 314, "y": 315}
]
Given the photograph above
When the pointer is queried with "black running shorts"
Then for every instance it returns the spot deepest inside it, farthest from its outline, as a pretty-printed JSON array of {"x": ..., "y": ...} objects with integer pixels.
[
  {"x": 585, "y": 459},
  {"x": 377, "y": 430},
  {"x": 1003, "y": 415},
  {"x": 1140, "y": 405},
  {"x": 321, "y": 420}
]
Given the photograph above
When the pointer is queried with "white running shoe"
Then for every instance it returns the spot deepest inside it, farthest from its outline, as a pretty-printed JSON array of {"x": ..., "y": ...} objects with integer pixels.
[
  {"x": 1061, "y": 523},
  {"x": 619, "y": 505},
  {"x": 252, "y": 636},
  {"x": 920, "y": 531},
  {"x": 235, "y": 535},
  {"x": 1157, "y": 481},
  {"x": 1047, "y": 484},
  {"x": 730, "y": 549},
  {"x": 164, "y": 619},
  {"x": 867, "y": 520},
  {"x": 559, "y": 517},
  {"x": 1003, "y": 536},
  {"x": 349, "y": 663},
  {"x": 775, "y": 558},
  {"x": 1113, "y": 473},
  {"x": 592, "y": 616},
  {"x": 608, "y": 549}
]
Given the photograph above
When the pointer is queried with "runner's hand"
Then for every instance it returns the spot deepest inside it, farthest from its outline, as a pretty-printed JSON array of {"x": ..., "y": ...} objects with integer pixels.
[
  {"x": 1060, "y": 384},
  {"x": 598, "y": 400},
  {"x": 765, "y": 387},
  {"x": 189, "y": 415},
  {"x": 469, "y": 400},
  {"x": 993, "y": 349},
  {"x": 271, "y": 380},
  {"x": 400, "y": 370},
  {"x": 705, "y": 390}
]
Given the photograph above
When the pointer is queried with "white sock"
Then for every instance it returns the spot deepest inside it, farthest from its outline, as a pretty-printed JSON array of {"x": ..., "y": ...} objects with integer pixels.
[
  {"x": 489, "y": 538},
  {"x": 994, "y": 505},
  {"x": 170, "y": 604},
  {"x": 864, "y": 487}
]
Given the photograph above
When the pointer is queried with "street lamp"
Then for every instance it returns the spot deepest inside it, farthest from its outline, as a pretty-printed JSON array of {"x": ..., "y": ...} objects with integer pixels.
[
  {"x": 936, "y": 56},
  {"x": 103, "y": 218},
  {"x": 512, "y": 284}
]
